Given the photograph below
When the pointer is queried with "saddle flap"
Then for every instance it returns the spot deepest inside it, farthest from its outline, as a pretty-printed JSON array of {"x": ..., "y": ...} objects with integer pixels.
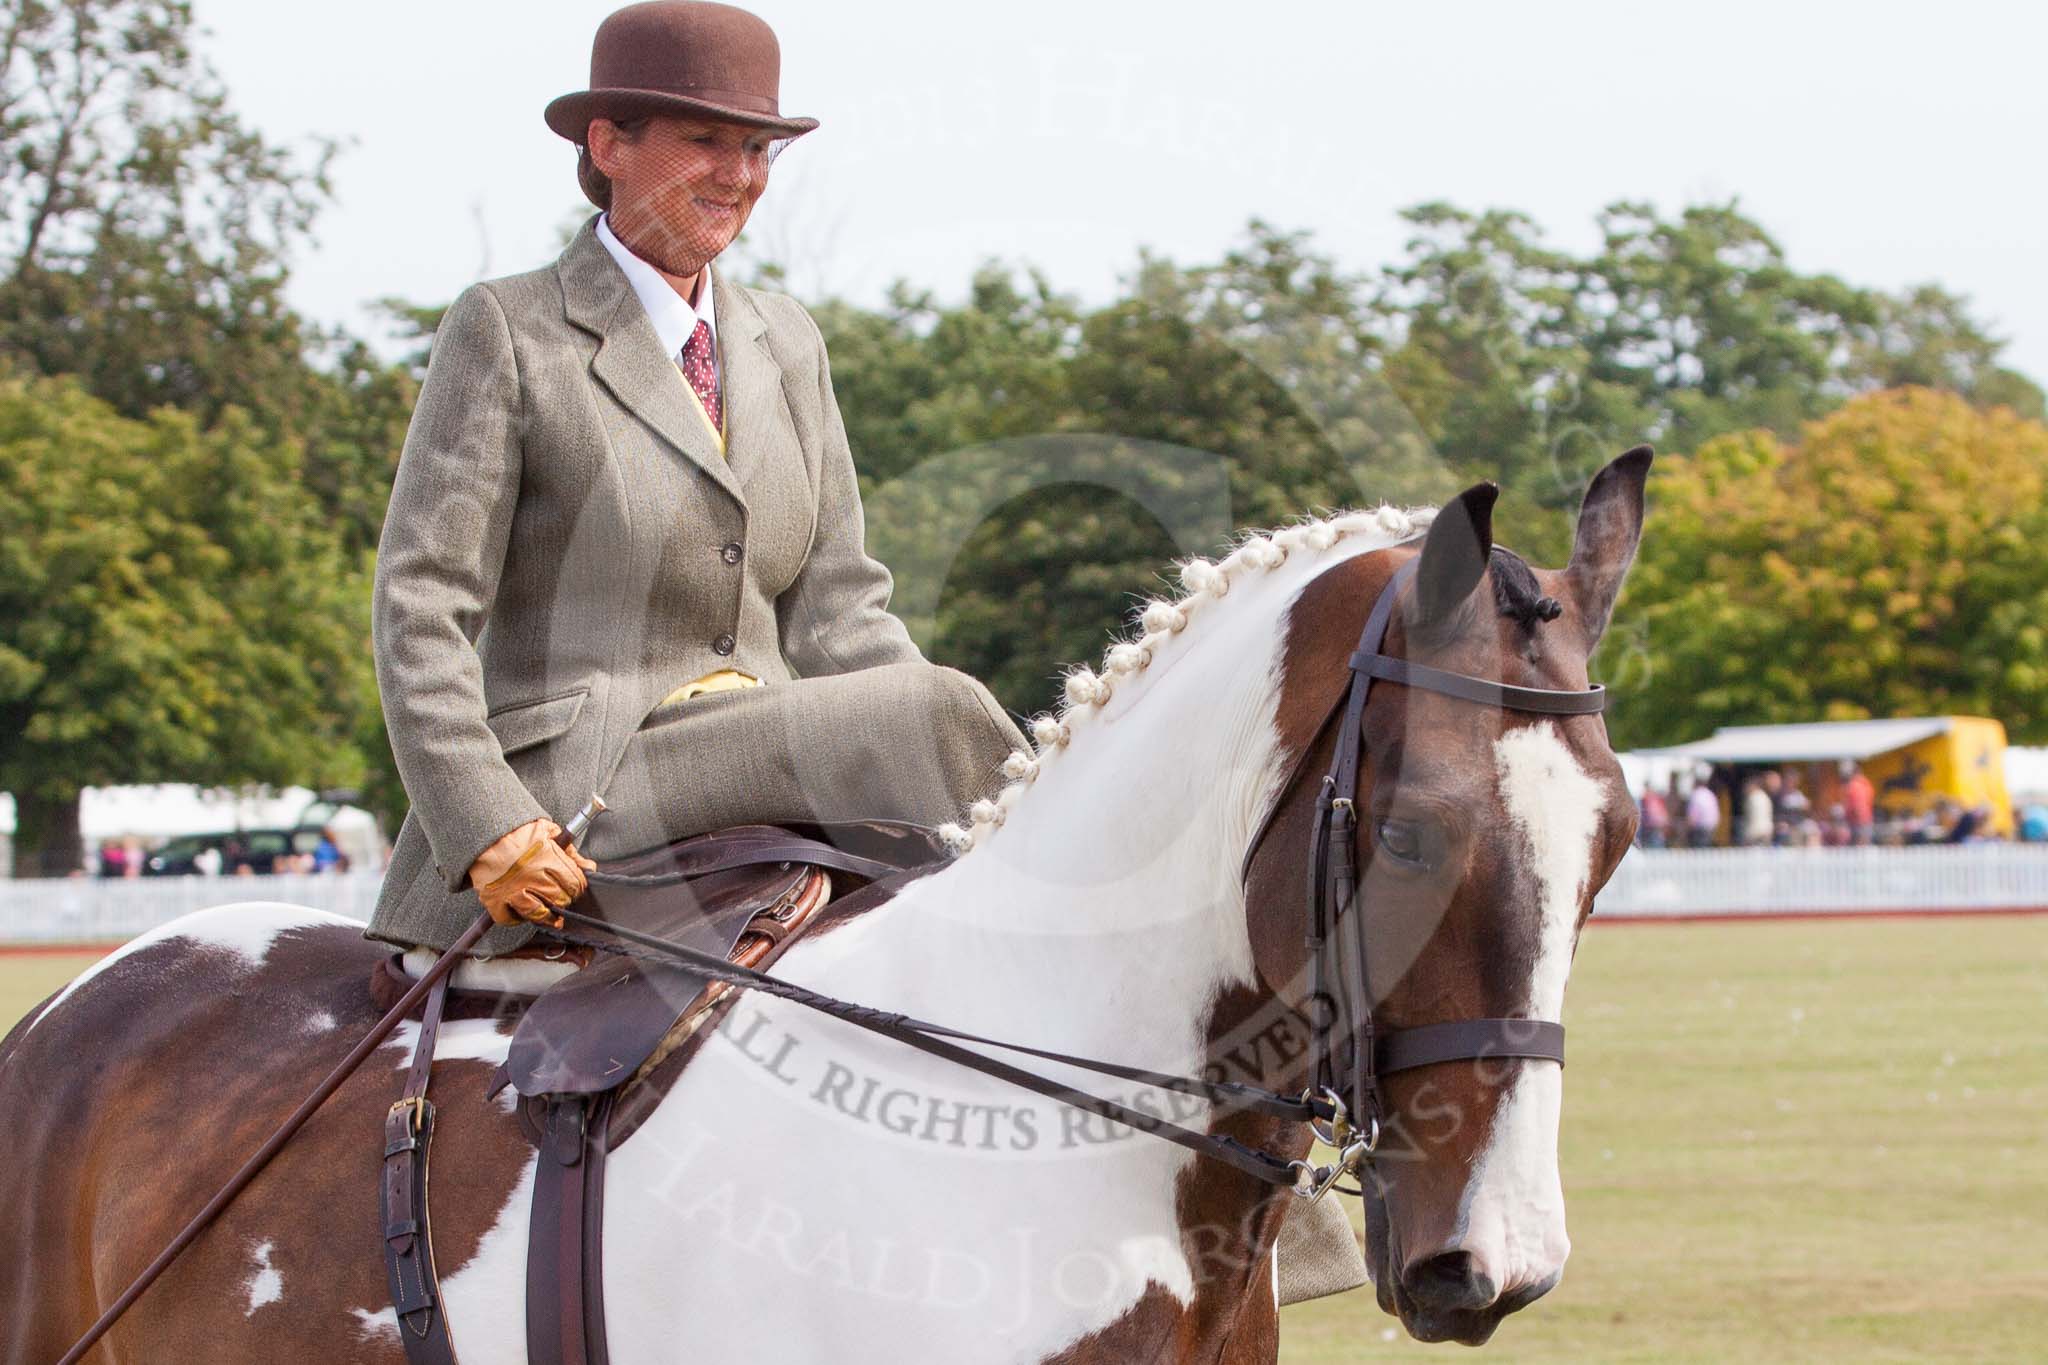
[
  {"x": 591, "y": 1031},
  {"x": 594, "y": 1030}
]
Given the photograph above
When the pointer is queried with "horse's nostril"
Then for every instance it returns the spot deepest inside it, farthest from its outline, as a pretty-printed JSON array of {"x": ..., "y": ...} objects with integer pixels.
[{"x": 1449, "y": 1282}]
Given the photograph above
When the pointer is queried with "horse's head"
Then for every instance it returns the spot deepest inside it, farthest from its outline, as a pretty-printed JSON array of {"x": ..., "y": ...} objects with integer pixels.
[{"x": 1483, "y": 832}]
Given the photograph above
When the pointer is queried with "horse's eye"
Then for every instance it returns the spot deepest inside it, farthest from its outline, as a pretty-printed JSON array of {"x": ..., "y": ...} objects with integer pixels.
[{"x": 1406, "y": 841}]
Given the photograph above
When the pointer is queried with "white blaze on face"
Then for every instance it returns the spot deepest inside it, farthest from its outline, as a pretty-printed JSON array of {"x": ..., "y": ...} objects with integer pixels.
[{"x": 1514, "y": 1215}]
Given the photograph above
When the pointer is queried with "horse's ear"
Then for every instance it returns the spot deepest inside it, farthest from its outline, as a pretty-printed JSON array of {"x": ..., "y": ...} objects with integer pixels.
[
  {"x": 1610, "y": 526},
  {"x": 1455, "y": 553}
]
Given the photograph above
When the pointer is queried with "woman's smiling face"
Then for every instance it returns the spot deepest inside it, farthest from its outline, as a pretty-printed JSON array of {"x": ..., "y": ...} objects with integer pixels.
[{"x": 682, "y": 188}]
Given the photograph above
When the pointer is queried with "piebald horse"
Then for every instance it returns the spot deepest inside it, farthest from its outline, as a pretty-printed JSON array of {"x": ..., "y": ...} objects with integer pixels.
[{"x": 810, "y": 1192}]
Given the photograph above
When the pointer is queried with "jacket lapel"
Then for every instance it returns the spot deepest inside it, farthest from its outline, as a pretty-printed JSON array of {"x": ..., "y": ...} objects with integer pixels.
[
  {"x": 750, "y": 379},
  {"x": 629, "y": 359}
]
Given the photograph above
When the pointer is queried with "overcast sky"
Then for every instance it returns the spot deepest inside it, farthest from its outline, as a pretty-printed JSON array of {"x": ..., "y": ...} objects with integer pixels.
[{"x": 1886, "y": 143}]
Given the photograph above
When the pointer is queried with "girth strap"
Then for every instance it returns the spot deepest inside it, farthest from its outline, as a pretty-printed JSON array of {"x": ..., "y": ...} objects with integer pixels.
[
  {"x": 408, "y": 1247},
  {"x": 564, "y": 1266}
]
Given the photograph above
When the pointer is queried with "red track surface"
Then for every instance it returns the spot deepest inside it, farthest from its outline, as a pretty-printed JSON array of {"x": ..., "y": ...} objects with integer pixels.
[
  {"x": 55, "y": 949},
  {"x": 1738, "y": 916}
]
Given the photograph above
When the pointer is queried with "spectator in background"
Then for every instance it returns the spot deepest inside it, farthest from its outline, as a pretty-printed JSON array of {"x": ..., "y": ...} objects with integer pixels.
[
  {"x": 1835, "y": 832},
  {"x": 2033, "y": 824},
  {"x": 1702, "y": 814},
  {"x": 113, "y": 858},
  {"x": 207, "y": 861},
  {"x": 1859, "y": 802},
  {"x": 1759, "y": 812},
  {"x": 1793, "y": 811},
  {"x": 1654, "y": 829},
  {"x": 1970, "y": 826},
  {"x": 327, "y": 854}
]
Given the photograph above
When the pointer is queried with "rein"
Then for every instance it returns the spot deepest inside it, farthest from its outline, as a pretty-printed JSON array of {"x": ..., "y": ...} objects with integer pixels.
[
  {"x": 1364, "y": 1055},
  {"x": 940, "y": 1041}
]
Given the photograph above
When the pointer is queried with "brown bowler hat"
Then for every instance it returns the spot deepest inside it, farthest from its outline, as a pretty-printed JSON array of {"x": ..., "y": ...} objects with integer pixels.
[{"x": 680, "y": 57}]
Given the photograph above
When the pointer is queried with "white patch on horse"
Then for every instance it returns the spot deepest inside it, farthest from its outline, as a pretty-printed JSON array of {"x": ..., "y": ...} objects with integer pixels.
[
  {"x": 1514, "y": 1213},
  {"x": 266, "y": 1283},
  {"x": 1554, "y": 804},
  {"x": 484, "y": 1294},
  {"x": 378, "y": 1325},
  {"x": 460, "y": 1040},
  {"x": 248, "y": 929},
  {"x": 320, "y": 1021}
]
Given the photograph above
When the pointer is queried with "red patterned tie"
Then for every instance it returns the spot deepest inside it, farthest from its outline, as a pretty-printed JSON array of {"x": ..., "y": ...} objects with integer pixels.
[{"x": 696, "y": 366}]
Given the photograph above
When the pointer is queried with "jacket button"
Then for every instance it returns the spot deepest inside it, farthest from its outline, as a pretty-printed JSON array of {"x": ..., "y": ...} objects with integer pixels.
[
  {"x": 722, "y": 645},
  {"x": 731, "y": 553}
]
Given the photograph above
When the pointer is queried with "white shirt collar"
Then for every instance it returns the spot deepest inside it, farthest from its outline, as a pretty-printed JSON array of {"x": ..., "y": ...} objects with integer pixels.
[{"x": 670, "y": 312}]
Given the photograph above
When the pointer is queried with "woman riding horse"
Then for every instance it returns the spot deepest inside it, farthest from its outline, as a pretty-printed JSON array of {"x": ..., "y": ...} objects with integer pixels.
[{"x": 624, "y": 549}]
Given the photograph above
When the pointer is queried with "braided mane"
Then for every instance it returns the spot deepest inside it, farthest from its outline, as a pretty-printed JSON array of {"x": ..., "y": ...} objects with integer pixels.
[{"x": 1153, "y": 629}]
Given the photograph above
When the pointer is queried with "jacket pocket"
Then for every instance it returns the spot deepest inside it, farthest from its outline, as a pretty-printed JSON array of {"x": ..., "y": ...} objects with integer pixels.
[{"x": 525, "y": 724}]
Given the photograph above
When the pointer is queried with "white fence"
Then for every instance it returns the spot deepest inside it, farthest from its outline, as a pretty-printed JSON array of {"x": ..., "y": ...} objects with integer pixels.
[
  {"x": 95, "y": 909},
  {"x": 1670, "y": 882},
  {"x": 1777, "y": 881}
]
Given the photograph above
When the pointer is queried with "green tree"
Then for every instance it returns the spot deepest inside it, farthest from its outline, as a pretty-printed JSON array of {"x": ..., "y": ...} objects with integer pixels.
[
  {"x": 1886, "y": 564},
  {"x": 174, "y": 606},
  {"x": 144, "y": 228},
  {"x": 1534, "y": 366},
  {"x": 1481, "y": 353},
  {"x": 145, "y": 237},
  {"x": 1048, "y": 463}
]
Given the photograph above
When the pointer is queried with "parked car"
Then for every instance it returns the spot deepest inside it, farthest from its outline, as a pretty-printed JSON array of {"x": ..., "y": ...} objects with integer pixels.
[{"x": 256, "y": 849}]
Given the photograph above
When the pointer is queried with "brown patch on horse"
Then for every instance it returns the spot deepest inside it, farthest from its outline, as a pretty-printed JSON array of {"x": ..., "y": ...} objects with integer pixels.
[{"x": 156, "y": 1080}]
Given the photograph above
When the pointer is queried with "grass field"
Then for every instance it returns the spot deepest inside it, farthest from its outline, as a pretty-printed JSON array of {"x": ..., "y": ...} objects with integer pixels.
[
  {"x": 1782, "y": 1141},
  {"x": 1788, "y": 1141}
]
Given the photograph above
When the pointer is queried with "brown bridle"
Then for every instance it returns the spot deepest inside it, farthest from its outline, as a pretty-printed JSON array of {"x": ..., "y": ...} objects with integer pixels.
[{"x": 1349, "y": 1055}]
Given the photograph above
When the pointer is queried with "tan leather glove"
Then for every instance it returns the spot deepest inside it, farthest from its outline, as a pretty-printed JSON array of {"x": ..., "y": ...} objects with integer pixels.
[{"x": 526, "y": 875}]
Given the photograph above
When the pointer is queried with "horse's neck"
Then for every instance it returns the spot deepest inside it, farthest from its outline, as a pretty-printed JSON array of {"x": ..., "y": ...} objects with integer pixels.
[
  {"x": 1110, "y": 895},
  {"x": 1104, "y": 918}
]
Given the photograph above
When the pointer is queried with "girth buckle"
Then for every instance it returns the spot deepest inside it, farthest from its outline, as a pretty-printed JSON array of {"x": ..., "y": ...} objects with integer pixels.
[{"x": 417, "y": 1104}]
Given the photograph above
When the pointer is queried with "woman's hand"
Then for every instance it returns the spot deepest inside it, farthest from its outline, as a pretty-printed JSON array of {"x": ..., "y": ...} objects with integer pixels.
[{"x": 527, "y": 876}]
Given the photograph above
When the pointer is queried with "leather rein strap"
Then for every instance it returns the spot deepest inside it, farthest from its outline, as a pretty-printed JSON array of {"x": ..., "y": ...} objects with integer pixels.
[{"x": 1367, "y": 1055}]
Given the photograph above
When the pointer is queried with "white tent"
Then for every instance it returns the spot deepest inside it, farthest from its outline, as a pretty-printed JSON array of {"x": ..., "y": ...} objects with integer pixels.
[{"x": 1818, "y": 742}]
